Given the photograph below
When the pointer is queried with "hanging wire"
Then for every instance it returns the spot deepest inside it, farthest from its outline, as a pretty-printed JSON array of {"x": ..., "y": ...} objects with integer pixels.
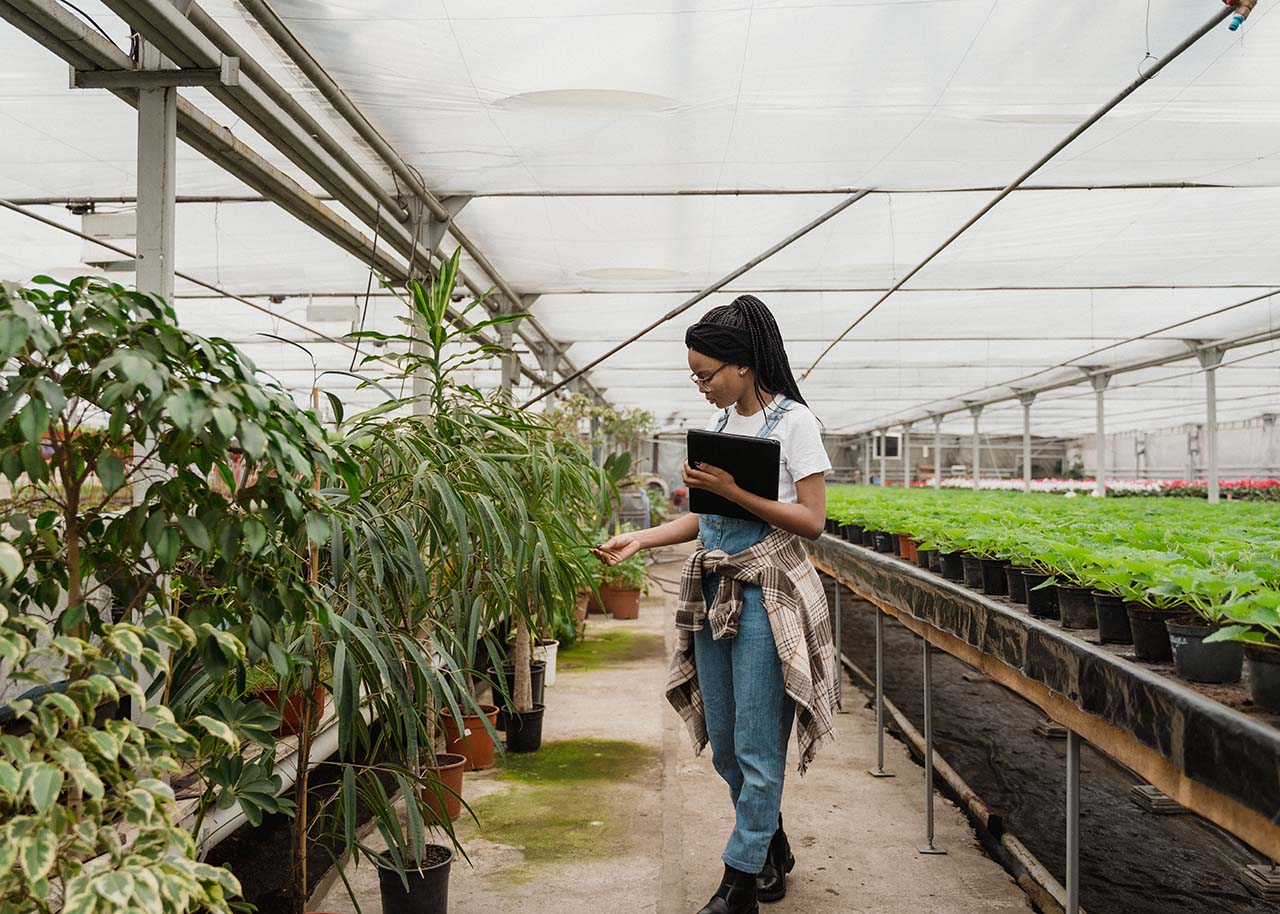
[
  {"x": 89, "y": 19},
  {"x": 373, "y": 258},
  {"x": 1149, "y": 55}
]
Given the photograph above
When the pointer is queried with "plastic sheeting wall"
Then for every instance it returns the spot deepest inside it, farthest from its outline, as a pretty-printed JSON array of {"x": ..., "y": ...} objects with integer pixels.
[{"x": 1249, "y": 449}]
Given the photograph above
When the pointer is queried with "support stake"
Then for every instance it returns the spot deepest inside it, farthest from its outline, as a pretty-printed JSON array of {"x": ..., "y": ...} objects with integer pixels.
[
  {"x": 928, "y": 847},
  {"x": 878, "y": 771}
]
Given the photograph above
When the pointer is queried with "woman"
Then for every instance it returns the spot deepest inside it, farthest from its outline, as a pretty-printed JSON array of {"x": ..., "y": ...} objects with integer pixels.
[{"x": 754, "y": 649}]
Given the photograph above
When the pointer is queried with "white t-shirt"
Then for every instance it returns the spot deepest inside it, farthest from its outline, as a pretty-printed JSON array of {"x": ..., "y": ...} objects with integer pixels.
[{"x": 800, "y": 436}]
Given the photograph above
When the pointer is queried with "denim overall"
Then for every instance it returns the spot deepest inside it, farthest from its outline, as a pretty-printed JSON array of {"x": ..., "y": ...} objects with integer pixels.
[{"x": 747, "y": 710}]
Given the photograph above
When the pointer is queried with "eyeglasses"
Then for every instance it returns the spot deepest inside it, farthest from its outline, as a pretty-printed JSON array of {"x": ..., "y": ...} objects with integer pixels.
[{"x": 705, "y": 383}]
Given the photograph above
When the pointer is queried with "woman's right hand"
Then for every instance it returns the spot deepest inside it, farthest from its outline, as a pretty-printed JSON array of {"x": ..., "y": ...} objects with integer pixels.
[{"x": 618, "y": 549}]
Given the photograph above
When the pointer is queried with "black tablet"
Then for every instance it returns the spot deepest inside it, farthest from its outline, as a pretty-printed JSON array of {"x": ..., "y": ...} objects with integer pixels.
[{"x": 753, "y": 463}]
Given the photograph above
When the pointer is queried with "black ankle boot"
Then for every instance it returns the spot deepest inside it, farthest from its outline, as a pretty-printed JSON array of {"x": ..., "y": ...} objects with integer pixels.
[
  {"x": 736, "y": 895},
  {"x": 771, "y": 884}
]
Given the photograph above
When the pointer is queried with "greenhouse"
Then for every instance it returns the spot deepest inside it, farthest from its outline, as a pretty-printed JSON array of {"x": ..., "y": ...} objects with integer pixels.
[{"x": 443, "y": 445}]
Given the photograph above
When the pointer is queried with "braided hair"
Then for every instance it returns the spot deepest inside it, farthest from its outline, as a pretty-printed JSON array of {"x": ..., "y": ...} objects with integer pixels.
[{"x": 744, "y": 332}]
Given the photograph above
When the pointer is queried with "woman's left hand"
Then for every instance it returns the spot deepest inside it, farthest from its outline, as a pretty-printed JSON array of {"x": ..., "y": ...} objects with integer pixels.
[{"x": 712, "y": 479}]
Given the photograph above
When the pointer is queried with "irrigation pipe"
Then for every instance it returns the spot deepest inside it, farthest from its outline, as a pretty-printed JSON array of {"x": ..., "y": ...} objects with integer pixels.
[{"x": 1043, "y": 160}]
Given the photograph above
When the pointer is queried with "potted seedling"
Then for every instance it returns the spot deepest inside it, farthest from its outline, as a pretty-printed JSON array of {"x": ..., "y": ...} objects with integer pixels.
[{"x": 622, "y": 586}]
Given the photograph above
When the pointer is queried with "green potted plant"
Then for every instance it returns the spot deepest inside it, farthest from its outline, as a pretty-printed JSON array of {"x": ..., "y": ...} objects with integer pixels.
[{"x": 622, "y": 586}]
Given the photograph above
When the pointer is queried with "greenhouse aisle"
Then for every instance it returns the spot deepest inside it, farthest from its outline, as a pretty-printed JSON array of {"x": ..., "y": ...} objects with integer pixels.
[{"x": 616, "y": 810}]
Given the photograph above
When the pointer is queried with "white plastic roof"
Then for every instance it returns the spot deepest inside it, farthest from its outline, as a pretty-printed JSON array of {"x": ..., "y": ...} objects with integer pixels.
[{"x": 538, "y": 108}]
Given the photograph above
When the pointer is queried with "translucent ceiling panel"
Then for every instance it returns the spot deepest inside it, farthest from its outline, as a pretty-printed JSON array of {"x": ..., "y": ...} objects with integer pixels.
[{"x": 682, "y": 95}]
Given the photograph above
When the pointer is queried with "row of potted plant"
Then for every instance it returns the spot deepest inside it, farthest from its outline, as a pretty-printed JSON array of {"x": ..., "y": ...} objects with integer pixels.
[
  {"x": 1233, "y": 489},
  {"x": 1178, "y": 580},
  {"x": 265, "y": 571}
]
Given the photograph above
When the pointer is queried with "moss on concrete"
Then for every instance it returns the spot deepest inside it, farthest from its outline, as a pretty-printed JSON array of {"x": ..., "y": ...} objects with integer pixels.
[
  {"x": 566, "y": 801},
  {"x": 609, "y": 647}
]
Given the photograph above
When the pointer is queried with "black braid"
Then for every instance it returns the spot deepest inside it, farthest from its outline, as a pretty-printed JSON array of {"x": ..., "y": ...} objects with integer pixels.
[{"x": 772, "y": 368}]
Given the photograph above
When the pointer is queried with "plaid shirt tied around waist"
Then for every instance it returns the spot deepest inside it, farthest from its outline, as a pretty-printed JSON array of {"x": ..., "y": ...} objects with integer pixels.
[{"x": 796, "y": 605}]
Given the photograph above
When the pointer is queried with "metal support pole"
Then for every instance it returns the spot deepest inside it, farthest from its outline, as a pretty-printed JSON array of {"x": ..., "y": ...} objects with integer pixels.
[
  {"x": 1073, "y": 823},
  {"x": 1210, "y": 359},
  {"x": 976, "y": 411},
  {"x": 937, "y": 452},
  {"x": 154, "y": 265},
  {"x": 157, "y": 194},
  {"x": 1027, "y": 400},
  {"x": 878, "y": 771},
  {"x": 867, "y": 440},
  {"x": 928, "y": 847},
  {"x": 1100, "y": 382},
  {"x": 884, "y": 456},
  {"x": 906, "y": 455},
  {"x": 836, "y": 624}
]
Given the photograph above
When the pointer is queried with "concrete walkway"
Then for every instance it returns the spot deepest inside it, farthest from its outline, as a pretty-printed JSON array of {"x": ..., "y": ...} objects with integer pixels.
[{"x": 617, "y": 815}]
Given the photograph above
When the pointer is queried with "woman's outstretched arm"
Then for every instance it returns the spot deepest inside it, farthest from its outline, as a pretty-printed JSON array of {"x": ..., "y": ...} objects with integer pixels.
[{"x": 624, "y": 545}]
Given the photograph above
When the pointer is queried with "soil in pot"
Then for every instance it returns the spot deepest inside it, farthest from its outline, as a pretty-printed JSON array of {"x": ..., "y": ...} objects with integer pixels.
[
  {"x": 291, "y": 713},
  {"x": 972, "y": 567},
  {"x": 621, "y": 604},
  {"x": 1219, "y": 661},
  {"x": 1076, "y": 608},
  {"x": 994, "y": 582},
  {"x": 471, "y": 740},
  {"x": 538, "y": 674},
  {"x": 1016, "y": 583},
  {"x": 1113, "y": 619},
  {"x": 1042, "y": 603},
  {"x": 1150, "y": 635},
  {"x": 1264, "y": 675},
  {"x": 906, "y": 547},
  {"x": 447, "y": 772},
  {"x": 924, "y": 558},
  {"x": 935, "y": 560},
  {"x": 428, "y": 891},
  {"x": 524, "y": 730},
  {"x": 951, "y": 565}
]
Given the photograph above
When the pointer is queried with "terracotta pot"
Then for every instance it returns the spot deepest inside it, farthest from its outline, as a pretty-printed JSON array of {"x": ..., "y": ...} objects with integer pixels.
[
  {"x": 594, "y": 603},
  {"x": 906, "y": 548},
  {"x": 291, "y": 714},
  {"x": 472, "y": 740},
  {"x": 448, "y": 774},
  {"x": 622, "y": 604}
]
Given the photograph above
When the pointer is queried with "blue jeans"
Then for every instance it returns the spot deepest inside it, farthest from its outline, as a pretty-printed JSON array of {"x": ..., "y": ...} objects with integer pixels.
[{"x": 747, "y": 709}]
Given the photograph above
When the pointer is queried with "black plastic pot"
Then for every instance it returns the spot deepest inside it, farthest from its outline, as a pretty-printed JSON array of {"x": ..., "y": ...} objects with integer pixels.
[
  {"x": 830, "y": 526},
  {"x": 851, "y": 533},
  {"x": 1220, "y": 661},
  {"x": 935, "y": 561},
  {"x": 952, "y": 566},
  {"x": 886, "y": 542},
  {"x": 1042, "y": 603},
  {"x": 922, "y": 557},
  {"x": 1076, "y": 608},
  {"x": 1264, "y": 675},
  {"x": 1113, "y": 619},
  {"x": 1150, "y": 635},
  {"x": 972, "y": 568},
  {"x": 868, "y": 538},
  {"x": 895, "y": 543},
  {"x": 1016, "y": 583},
  {"x": 993, "y": 579},
  {"x": 538, "y": 681},
  {"x": 524, "y": 730},
  {"x": 428, "y": 891}
]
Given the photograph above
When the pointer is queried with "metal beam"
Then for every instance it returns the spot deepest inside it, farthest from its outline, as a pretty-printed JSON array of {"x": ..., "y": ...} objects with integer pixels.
[
  {"x": 1026, "y": 399},
  {"x": 157, "y": 180},
  {"x": 937, "y": 452},
  {"x": 975, "y": 410},
  {"x": 832, "y": 191},
  {"x": 228, "y": 74},
  {"x": 906, "y": 455}
]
